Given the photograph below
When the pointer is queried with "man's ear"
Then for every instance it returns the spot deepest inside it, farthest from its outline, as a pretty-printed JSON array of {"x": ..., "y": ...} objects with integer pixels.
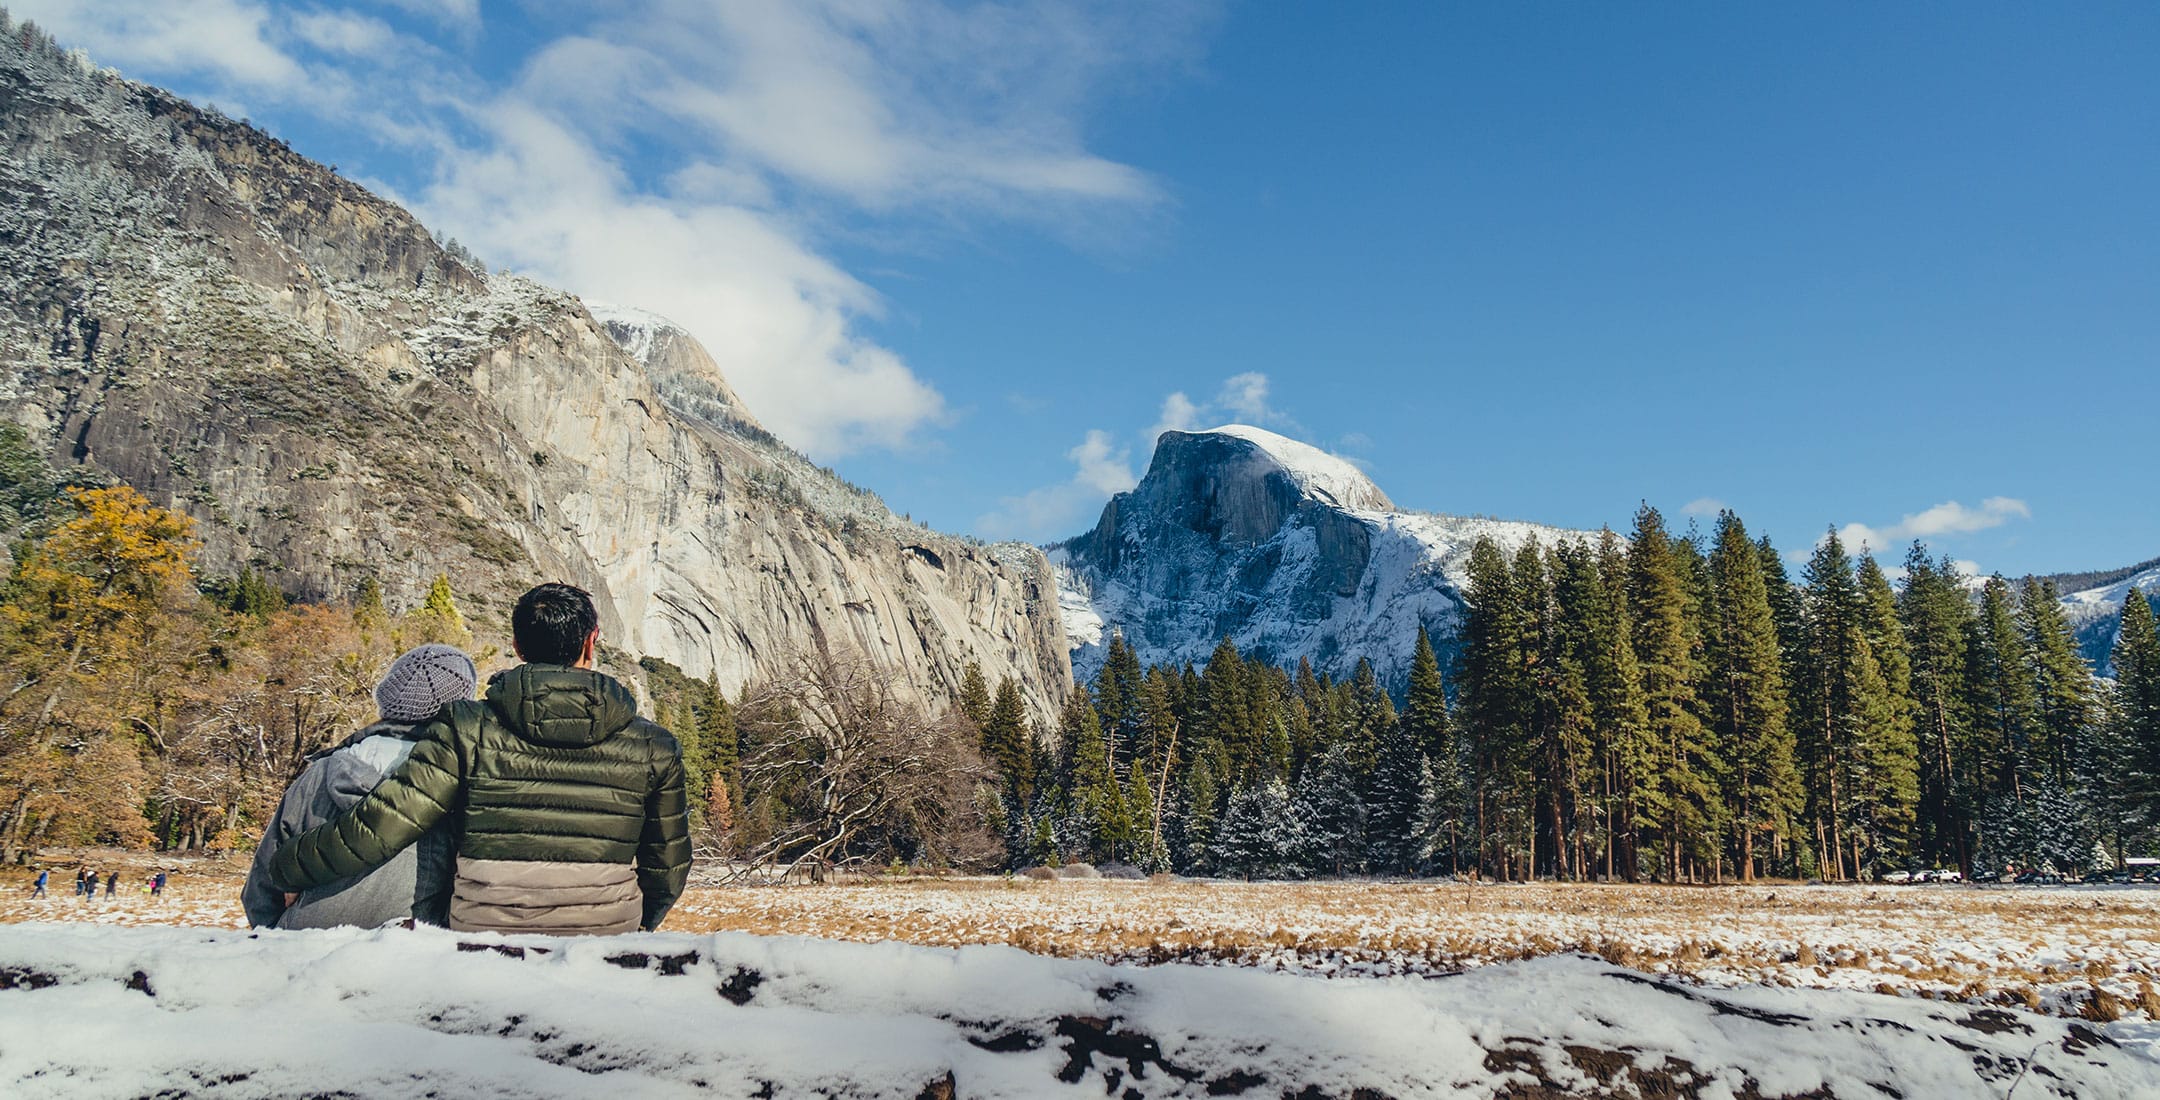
[{"x": 590, "y": 656}]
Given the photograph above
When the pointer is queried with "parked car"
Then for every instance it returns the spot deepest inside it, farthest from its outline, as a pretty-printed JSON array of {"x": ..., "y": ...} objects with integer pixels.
[
  {"x": 1946, "y": 874},
  {"x": 1897, "y": 878},
  {"x": 2039, "y": 878},
  {"x": 1985, "y": 876},
  {"x": 2109, "y": 876}
]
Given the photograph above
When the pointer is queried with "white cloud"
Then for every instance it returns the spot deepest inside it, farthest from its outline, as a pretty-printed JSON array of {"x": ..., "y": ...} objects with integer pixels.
[
  {"x": 1703, "y": 506},
  {"x": 343, "y": 32},
  {"x": 1242, "y": 399},
  {"x": 1245, "y": 396},
  {"x": 1947, "y": 518},
  {"x": 1101, "y": 468},
  {"x": 458, "y": 15},
  {"x": 228, "y": 40},
  {"x": 692, "y": 158},
  {"x": 1179, "y": 414}
]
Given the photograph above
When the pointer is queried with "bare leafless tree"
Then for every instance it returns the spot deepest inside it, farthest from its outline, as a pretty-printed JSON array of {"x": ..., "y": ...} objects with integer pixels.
[{"x": 842, "y": 767}]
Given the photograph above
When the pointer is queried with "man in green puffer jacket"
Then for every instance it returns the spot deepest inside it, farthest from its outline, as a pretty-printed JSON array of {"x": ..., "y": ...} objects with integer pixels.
[{"x": 571, "y": 808}]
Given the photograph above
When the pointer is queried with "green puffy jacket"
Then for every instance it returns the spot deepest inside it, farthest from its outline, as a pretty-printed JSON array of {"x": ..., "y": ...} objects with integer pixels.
[{"x": 571, "y": 809}]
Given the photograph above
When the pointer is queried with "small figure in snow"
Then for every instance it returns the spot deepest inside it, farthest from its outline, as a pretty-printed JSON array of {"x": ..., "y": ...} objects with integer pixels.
[
  {"x": 112, "y": 883},
  {"x": 79, "y": 873},
  {"x": 38, "y": 891},
  {"x": 157, "y": 885},
  {"x": 90, "y": 886}
]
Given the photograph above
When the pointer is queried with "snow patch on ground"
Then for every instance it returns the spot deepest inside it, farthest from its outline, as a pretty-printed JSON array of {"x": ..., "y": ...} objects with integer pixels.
[{"x": 100, "y": 1012}]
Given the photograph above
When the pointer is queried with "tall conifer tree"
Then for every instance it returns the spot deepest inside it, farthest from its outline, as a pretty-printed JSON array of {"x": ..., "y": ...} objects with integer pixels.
[
  {"x": 1745, "y": 687},
  {"x": 1678, "y": 795},
  {"x": 1937, "y": 615},
  {"x": 2136, "y": 661}
]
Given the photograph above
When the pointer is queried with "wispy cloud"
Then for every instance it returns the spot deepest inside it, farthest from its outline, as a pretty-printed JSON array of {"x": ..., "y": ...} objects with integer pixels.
[
  {"x": 227, "y": 40},
  {"x": 1242, "y": 399},
  {"x": 694, "y": 159},
  {"x": 1947, "y": 518},
  {"x": 1101, "y": 468},
  {"x": 1703, "y": 506}
]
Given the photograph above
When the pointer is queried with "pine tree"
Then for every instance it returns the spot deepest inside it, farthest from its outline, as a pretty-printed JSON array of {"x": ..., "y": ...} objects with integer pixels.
[
  {"x": 1007, "y": 746},
  {"x": 2136, "y": 662},
  {"x": 1220, "y": 714},
  {"x": 1619, "y": 715},
  {"x": 1331, "y": 814},
  {"x": 1198, "y": 808},
  {"x": 975, "y": 696},
  {"x": 2005, "y": 714},
  {"x": 1398, "y": 806},
  {"x": 1888, "y": 782},
  {"x": 438, "y": 619},
  {"x": 1877, "y": 774},
  {"x": 1425, "y": 722},
  {"x": 368, "y": 611},
  {"x": 1094, "y": 799},
  {"x": 2063, "y": 693},
  {"x": 439, "y": 601},
  {"x": 1745, "y": 693},
  {"x": 1118, "y": 699},
  {"x": 1678, "y": 795},
  {"x": 1498, "y": 697},
  {"x": 1937, "y": 617},
  {"x": 1257, "y": 837},
  {"x": 251, "y": 594}
]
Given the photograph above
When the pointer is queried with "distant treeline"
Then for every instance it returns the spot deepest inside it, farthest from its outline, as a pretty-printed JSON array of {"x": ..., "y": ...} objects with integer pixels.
[{"x": 1670, "y": 707}]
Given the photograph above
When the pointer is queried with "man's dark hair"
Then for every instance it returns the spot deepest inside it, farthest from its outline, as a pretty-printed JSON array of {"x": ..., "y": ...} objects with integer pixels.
[{"x": 551, "y": 623}]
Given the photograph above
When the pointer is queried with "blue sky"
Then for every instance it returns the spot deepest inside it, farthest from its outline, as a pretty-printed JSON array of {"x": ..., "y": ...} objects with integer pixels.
[{"x": 1890, "y": 268}]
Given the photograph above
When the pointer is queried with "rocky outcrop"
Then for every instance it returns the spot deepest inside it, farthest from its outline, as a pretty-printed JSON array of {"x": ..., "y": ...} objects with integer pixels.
[
  {"x": 189, "y": 306},
  {"x": 1286, "y": 550}
]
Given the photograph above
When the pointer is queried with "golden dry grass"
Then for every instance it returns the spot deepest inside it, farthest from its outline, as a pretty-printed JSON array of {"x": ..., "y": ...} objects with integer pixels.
[{"x": 2072, "y": 951}]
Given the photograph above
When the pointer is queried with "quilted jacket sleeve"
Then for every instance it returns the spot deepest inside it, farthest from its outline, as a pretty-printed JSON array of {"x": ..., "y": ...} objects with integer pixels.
[
  {"x": 422, "y": 792},
  {"x": 663, "y": 859}
]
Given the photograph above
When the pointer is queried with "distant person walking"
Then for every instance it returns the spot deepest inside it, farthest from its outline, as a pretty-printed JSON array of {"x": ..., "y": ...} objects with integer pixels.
[
  {"x": 157, "y": 885},
  {"x": 79, "y": 879},
  {"x": 570, "y": 808},
  {"x": 38, "y": 891},
  {"x": 90, "y": 886},
  {"x": 112, "y": 883},
  {"x": 416, "y": 884}
]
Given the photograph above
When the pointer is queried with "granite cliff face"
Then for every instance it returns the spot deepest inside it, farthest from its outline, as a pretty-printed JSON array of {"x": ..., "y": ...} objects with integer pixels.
[
  {"x": 1288, "y": 551},
  {"x": 189, "y": 306}
]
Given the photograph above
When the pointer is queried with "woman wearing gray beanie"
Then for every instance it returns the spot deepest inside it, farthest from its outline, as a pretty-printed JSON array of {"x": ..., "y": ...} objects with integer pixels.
[{"x": 416, "y": 884}]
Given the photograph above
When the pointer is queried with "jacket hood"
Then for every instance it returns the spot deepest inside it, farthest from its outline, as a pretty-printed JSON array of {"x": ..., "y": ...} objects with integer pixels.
[
  {"x": 559, "y": 706},
  {"x": 407, "y": 731}
]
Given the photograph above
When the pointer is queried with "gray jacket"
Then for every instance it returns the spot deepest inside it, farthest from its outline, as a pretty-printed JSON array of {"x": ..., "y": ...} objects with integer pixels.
[{"x": 415, "y": 884}]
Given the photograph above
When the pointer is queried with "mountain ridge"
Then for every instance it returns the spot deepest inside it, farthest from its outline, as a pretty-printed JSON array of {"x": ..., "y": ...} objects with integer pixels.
[
  {"x": 1232, "y": 534},
  {"x": 193, "y": 308}
]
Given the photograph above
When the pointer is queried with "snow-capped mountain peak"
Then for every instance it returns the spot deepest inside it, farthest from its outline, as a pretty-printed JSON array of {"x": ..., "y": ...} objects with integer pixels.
[
  {"x": 1285, "y": 549},
  {"x": 1315, "y": 471}
]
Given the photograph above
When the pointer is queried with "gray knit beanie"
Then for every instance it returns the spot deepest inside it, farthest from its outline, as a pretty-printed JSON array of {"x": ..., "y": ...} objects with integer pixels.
[{"x": 422, "y": 680}]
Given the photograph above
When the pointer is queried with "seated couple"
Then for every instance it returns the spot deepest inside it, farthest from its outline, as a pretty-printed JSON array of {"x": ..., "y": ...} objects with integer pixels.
[{"x": 546, "y": 806}]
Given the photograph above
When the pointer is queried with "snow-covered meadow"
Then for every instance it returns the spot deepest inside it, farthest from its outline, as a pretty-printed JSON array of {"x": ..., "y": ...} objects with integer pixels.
[
  {"x": 121, "y": 1012},
  {"x": 1311, "y": 989}
]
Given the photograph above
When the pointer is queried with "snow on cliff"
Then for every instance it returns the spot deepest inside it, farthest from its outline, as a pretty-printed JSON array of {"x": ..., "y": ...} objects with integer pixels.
[
  {"x": 100, "y": 1012},
  {"x": 1315, "y": 471},
  {"x": 1288, "y": 551},
  {"x": 2095, "y": 614}
]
